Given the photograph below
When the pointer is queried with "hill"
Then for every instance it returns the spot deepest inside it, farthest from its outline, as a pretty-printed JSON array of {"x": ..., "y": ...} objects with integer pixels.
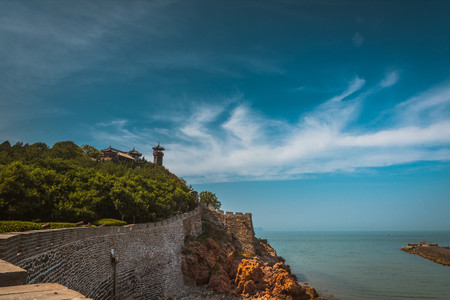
[{"x": 69, "y": 183}]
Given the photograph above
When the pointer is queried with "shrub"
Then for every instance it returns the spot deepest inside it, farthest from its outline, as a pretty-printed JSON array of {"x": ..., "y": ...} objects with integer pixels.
[
  {"x": 109, "y": 222},
  {"x": 16, "y": 226},
  {"x": 60, "y": 225}
]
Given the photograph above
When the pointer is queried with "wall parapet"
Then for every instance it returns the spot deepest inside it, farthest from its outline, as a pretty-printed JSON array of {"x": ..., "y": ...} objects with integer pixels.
[
  {"x": 227, "y": 213},
  {"x": 17, "y": 246},
  {"x": 149, "y": 264},
  {"x": 237, "y": 224}
]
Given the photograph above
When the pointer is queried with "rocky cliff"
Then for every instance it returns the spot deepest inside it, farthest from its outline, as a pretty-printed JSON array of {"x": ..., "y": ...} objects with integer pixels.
[{"x": 227, "y": 259}]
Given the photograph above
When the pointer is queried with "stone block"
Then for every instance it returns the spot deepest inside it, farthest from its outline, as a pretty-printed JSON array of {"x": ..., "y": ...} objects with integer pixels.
[
  {"x": 11, "y": 275},
  {"x": 43, "y": 291}
]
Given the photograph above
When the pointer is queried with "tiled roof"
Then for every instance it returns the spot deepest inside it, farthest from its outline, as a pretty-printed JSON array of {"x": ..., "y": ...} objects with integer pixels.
[
  {"x": 158, "y": 148},
  {"x": 125, "y": 155}
]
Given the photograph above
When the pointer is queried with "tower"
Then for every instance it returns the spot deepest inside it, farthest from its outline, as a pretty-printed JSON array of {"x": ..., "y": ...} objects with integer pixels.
[{"x": 158, "y": 155}]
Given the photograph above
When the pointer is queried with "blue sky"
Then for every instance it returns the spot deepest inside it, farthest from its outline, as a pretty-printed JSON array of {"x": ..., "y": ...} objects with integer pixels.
[{"x": 313, "y": 115}]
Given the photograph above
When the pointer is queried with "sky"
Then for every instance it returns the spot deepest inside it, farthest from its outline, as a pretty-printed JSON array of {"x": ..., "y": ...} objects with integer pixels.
[{"x": 312, "y": 115}]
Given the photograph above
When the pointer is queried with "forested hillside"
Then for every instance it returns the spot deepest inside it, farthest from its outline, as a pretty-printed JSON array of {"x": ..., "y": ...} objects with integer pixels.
[{"x": 69, "y": 183}]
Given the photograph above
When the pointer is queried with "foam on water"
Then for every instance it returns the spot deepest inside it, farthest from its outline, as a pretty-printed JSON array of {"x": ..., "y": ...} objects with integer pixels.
[{"x": 364, "y": 265}]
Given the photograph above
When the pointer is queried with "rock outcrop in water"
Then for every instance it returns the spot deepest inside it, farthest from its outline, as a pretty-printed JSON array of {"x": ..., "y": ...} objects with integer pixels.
[{"x": 431, "y": 251}]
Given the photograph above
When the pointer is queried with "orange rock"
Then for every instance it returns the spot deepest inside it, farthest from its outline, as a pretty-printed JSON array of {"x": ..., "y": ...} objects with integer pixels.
[
  {"x": 283, "y": 283},
  {"x": 249, "y": 270},
  {"x": 249, "y": 278},
  {"x": 311, "y": 292},
  {"x": 219, "y": 282},
  {"x": 265, "y": 276},
  {"x": 249, "y": 287}
]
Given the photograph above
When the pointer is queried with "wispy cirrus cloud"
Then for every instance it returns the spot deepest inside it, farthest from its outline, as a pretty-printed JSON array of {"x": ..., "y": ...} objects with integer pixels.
[
  {"x": 116, "y": 131},
  {"x": 234, "y": 142},
  {"x": 45, "y": 42},
  {"x": 355, "y": 85},
  {"x": 390, "y": 79},
  {"x": 433, "y": 100}
]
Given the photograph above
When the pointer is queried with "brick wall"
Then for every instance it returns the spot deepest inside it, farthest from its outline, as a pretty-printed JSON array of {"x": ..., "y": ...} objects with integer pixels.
[
  {"x": 149, "y": 261},
  {"x": 149, "y": 264}
]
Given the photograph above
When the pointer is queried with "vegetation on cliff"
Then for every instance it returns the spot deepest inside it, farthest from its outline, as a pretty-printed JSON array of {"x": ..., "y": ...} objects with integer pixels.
[
  {"x": 68, "y": 183},
  {"x": 210, "y": 199}
]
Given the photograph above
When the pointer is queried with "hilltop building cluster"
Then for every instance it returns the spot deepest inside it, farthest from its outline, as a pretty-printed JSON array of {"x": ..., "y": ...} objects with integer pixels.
[
  {"x": 112, "y": 153},
  {"x": 132, "y": 155}
]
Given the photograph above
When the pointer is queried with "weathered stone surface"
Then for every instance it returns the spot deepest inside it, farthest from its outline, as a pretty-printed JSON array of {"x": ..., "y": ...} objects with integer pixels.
[
  {"x": 283, "y": 283},
  {"x": 249, "y": 277},
  {"x": 221, "y": 257},
  {"x": 11, "y": 274},
  {"x": 44, "y": 291},
  {"x": 149, "y": 264},
  {"x": 220, "y": 281}
]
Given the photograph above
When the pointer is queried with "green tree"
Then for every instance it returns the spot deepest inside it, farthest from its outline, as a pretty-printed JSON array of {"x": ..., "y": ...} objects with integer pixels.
[
  {"x": 5, "y": 153},
  {"x": 124, "y": 196},
  {"x": 5, "y": 146},
  {"x": 35, "y": 152},
  {"x": 210, "y": 199},
  {"x": 19, "y": 192},
  {"x": 91, "y": 151},
  {"x": 66, "y": 150},
  {"x": 64, "y": 184}
]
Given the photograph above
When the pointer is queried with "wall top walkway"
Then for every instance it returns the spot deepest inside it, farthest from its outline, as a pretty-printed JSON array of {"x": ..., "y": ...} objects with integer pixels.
[{"x": 43, "y": 291}]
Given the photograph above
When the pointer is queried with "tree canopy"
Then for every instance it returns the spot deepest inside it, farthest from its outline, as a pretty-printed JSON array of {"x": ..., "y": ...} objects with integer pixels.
[
  {"x": 69, "y": 183},
  {"x": 210, "y": 199}
]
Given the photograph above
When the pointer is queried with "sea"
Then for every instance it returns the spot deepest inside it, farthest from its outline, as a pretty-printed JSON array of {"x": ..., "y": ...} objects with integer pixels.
[{"x": 363, "y": 265}]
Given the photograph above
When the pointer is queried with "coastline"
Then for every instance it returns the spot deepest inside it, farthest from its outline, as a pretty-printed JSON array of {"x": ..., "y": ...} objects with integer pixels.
[
  {"x": 228, "y": 260},
  {"x": 353, "y": 265}
]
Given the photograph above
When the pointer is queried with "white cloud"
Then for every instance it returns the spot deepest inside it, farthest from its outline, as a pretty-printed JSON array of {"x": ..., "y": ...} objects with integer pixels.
[
  {"x": 234, "y": 142},
  {"x": 196, "y": 126},
  {"x": 355, "y": 85},
  {"x": 243, "y": 125},
  {"x": 426, "y": 108},
  {"x": 390, "y": 79},
  {"x": 115, "y": 131},
  {"x": 435, "y": 134},
  {"x": 428, "y": 100}
]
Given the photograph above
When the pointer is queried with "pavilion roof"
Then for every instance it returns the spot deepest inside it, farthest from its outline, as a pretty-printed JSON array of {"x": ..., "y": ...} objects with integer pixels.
[
  {"x": 135, "y": 152},
  {"x": 158, "y": 148},
  {"x": 110, "y": 149}
]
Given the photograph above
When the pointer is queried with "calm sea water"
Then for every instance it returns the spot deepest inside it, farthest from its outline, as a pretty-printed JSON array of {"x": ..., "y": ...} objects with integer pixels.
[{"x": 363, "y": 265}]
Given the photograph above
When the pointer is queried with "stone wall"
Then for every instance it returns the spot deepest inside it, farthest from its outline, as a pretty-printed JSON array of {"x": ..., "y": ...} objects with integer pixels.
[
  {"x": 238, "y": 225},
  {"x": 149, "y": 260},
  {"x": 149, "y": 264}
]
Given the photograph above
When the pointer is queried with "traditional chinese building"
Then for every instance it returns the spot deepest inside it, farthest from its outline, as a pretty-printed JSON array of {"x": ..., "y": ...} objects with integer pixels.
[
  {"x": 158, "y": 155},
  {"x": 111, "y": 153}
]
